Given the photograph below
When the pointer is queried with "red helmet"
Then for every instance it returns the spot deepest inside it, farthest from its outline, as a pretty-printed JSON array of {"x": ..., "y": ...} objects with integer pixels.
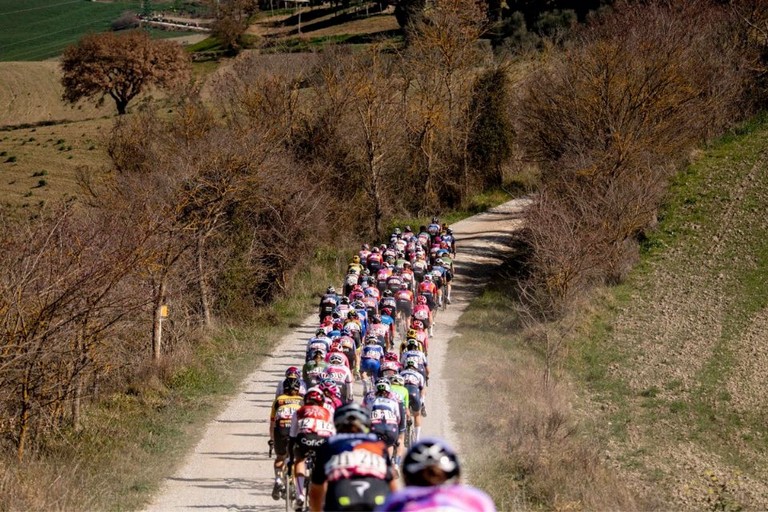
[
  {"x": 314, "y": 397},
  {"x": 417, "y": 324},
  {"x": 292, "y": 373},
  {"x": 422, "y": 299},
  {"x": 335, "y": 346}
]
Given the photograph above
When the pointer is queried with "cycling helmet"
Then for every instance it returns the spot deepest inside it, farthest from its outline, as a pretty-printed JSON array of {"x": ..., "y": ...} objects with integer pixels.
[
  {"x": 422, "y": 299},
  {"x": 435, "y": 220},
  {"x": 383, "y": 386},
  {"x": 439, "y": 261},
  {"x": 355, "y": 259},
  {"x": 291, "y": 384},
  {"x": 292, "y": 372},
  {"x": 397, "y": 380},
  {"x": 387, "y": 293},
  {"x": 406, "y": 264},
  {"x": 330, "y": 388},
  {"x": 417, "y": 324},
  {"x": 318, "y": 353},
  {"x": 413, "y": 344},
  {"x": 352, "y": 314},
  {"x": 320, "y": 332},
  {"x": 371, "y": 339},
  {"x": 375, "y": 249},
  {"x": 412, "y": 333},
  {"x": 397, "y": 231},
  {"x": 335, "y": 346},
  {"x": 428, "y": 277},
  {"x": 330, "y": 289},
  {"x": 352, "y": 414},
  {"x": 336, "y": 359},
  {"x": 314, "y": 396},
  {"x": 391, "y": 356},
  {"x": 403, "y": 286},
  {"x": 410, "y": 363},
  {"x": 430, "y": 462},
  {"x": 408, "y": 228}
]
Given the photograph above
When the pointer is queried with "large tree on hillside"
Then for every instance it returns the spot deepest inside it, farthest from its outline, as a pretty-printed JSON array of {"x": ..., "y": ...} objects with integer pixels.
[{"x": 121, "y": 66}]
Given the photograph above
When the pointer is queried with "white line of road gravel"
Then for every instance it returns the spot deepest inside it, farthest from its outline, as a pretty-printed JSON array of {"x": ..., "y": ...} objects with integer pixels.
[{"x": 229, "y": 468}]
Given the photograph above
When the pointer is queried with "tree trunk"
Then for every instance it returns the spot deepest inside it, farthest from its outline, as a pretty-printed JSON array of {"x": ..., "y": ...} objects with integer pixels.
[
  {"x": 122, "y": 105},
  {"x": 157, "y": 321},
  {"x": 204, "y": 300}
]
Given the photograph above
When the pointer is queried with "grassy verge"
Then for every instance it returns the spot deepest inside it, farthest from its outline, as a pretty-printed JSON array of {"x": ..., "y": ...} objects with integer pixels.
[
  {"x": 134, "y": 439},
  {"x": 675, "y": 359},
  {"x": 526, "y": 446}
]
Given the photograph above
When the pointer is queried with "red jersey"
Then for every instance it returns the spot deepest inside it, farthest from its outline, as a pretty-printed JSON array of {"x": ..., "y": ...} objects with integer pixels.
[{"x": 312, "y": 419}]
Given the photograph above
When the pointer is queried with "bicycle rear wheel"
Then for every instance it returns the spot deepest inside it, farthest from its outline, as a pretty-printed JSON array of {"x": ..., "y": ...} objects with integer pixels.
[{"x": 289, "y": 491}]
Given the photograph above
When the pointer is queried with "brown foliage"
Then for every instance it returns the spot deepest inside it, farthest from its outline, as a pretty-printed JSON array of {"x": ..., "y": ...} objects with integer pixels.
[
  {"x": 65, "y": 299},
  {"x": 608, "y": 120},
  {"x": 231, "y": 20},
  {"x": 121, "y": 66}
]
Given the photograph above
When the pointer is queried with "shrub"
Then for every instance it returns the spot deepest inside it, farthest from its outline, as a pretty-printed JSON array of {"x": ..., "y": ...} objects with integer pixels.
[{"x": 126, "y": 21}]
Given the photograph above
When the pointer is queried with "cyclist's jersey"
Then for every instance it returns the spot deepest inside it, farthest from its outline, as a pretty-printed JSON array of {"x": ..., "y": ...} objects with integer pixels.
[
  {"x": 374, "y": 261},
  {"x": 312, "y": 371},
  {"x": 416, "y": 356},
  {"x": 339, "y": 374},
  {"x": 402, "y": 392},
  {"x": 413, "y": 378},
  {"x": 342, "y": 310},
  {"x": 357, "y": 469},
  {"x": 332, "y": 403},
  {"x": 388, "y": 302},
  {"x": 427, "y": 287},
  {"x": 380, "y": 331},
  {"x": 439, "y": 498},
  {"x": 372, "y": 351},
  {"x": 421, "y": 312},
  {"x": 424, "y": 238},
  {"x": 393, "y": 282},
  {"x": 404, "y": 346},
  {"x": 328, "y": 303},
  {"x": 283, "y": 408},
  {"x": 373, "y": 293},
  {"x": 356, "y": 295},
  {"x": 318, "y": 343},
  {"x": 364, "y": 253},
  {"x": 347, "y": 343},
  {"x": 404, "y": 297},
  {"x": 312, "y": 419},
  {"x": 385, "y": 413},
  {"x": 355, "y": 267}
]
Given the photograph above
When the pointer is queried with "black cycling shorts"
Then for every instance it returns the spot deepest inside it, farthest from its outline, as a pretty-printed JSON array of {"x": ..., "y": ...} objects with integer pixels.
[
  {"x": 306, "y": 443},
  {"x": 414, "y": 399},
  {"x": 281, "y": 441},
  {"x": 356, "y": 494},
  {"x": 405, "y": 307},
  {"x": 387, "y": 433}
]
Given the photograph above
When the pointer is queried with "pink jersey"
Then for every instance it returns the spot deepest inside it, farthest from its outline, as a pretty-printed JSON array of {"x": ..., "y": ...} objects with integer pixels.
[{"x": 439, "y": 498}]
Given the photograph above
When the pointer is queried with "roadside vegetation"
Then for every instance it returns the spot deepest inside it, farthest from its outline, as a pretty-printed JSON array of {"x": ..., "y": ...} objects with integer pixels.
[{"x": 209, "y": 207}]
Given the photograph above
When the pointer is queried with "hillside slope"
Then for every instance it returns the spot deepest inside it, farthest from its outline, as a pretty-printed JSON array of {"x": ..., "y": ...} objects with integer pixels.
[
  {"x": 678, "y": 369},
  {"x": 30, "y": 92}
]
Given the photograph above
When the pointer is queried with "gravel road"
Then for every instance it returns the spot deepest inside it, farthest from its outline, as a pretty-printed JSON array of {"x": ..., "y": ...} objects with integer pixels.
[{"x": 229, "y": 468}]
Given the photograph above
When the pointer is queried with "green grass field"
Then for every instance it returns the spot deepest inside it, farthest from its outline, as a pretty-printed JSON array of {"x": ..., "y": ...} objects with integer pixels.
[{"x": 41, "y": 29}]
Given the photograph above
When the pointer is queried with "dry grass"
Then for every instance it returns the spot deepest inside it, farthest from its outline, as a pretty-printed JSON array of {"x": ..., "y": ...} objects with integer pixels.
[
  {"x": 30, "y": 92},
  {"x": 40, "y": 164},
  {"x": 534, "y": 453}
]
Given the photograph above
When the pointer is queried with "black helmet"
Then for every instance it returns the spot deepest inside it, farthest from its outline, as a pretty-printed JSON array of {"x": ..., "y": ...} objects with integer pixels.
[
  {"x": 291, "y": 384},
  {"x": 330, "y": 289},
  {"x": 350, "y": 414},
  {"x": 430, "y": 453}
]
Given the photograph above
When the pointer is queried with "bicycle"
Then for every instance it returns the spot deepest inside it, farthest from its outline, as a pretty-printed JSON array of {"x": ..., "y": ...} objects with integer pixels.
[
  {"x": 288, "y": 492},
  {"x": 309, "y": 463},
  {"x": 410, "y": 434}
]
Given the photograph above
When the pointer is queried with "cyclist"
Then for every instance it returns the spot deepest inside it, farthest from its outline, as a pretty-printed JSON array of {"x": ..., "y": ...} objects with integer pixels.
[
  {"x": 404, "y": 301},
  {"x": 428, "y": 290},
  {"x": 354, "y": 264},
  {"x": 320, "y": 341},
  {"x": 421, "y": 335},
  {"x": 291, "y": 373},
  {"x": 422, "y": 313},
  {"x": 432, "y": 473},
  {"x": 370, "y": 361},
  {"x": 412, "y": 335},
  {"x": 280, "y": 416},
  {"x": 311, "y": 426},
  {"x": 341, "y": 375},
  {"x": 328, "y": 302},
  {"x": 397, "y": 383},
  {"x": 415, "y": 383},
  {"x": 315, "y": 368},
  {"x": 387, "y": 415},
  {"x": 353, "y": 470}
]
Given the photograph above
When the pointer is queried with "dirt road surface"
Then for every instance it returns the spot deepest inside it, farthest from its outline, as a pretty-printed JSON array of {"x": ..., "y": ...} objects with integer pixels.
[{"x": 229, "y": 468}]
